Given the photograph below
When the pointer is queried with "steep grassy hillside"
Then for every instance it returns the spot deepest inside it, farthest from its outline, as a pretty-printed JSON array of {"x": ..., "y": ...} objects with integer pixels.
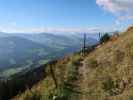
[{"x": 106, "y": 73}]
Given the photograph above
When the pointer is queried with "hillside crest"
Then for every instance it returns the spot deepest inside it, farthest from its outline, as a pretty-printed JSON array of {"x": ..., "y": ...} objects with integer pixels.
[{"x": 105, "y": 73}]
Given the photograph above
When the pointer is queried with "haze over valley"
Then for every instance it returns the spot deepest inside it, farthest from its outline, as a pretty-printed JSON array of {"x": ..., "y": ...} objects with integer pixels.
[{"x": 27, "y": 51}]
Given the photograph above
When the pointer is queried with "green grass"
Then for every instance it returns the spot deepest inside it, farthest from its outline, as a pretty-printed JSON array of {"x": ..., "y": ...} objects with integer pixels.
[{"x": 32, "y": 95}]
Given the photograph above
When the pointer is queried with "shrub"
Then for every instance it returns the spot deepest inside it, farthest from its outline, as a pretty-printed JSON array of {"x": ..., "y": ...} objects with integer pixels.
[
  {"x": 110, "y": 86},
  {"x": 76, "y": 60},
  {"x": 119, "y": 56},
  {"x": 104, "y": 38},
  {"x": 72, "y": 67},
  {"x": 31, "y": 95},
  {"x": 130, "y": 97},
  {"x": 92, "y": 63},
  {"x": 63, "y": 94},
  {"x": 71, "y": 72}
]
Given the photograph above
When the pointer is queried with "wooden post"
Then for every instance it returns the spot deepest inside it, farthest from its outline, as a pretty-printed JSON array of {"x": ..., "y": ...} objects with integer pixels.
[
  {"x": 84, "y": 45},
  {"x": 53, "y": 75},
  {"x": 99, "y": 36}
]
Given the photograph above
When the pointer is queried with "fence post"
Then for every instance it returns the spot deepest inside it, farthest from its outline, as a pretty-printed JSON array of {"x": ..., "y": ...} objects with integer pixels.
[
  {"x": 84, "y": 44},
  {"x": 99, "y": 36},
  {"x": 53, "y": 75}
]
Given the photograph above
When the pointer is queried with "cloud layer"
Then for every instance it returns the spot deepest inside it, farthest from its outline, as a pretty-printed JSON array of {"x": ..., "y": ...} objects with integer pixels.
[
  {"x": 51, "y": 30},
  {"x": 123, "y": 9}
]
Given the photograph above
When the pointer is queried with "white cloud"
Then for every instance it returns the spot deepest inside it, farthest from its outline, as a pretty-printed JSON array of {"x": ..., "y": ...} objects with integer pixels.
[
  {"x": 72, "y": 30},
  {"x": 11, "y": 27},
  {"x": 123, "y": 9}
]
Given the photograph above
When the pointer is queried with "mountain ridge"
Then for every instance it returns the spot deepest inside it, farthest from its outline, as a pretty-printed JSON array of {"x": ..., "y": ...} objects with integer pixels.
[{"x": 23, "y": 50}]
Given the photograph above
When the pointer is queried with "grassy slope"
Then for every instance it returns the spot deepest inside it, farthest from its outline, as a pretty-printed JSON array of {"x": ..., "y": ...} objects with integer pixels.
[{"x": 104, "y": 74}]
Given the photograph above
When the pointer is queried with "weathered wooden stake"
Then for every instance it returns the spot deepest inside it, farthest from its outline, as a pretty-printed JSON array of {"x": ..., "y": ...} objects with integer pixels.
[
  {"x": 84, "y": 45},
  {"x": 53, "y": 75},
  {"x": 99, "y": 36}
]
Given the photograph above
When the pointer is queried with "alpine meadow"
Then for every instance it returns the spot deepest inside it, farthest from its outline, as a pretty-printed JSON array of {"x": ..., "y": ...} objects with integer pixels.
[{"x": 66, "y": 50}]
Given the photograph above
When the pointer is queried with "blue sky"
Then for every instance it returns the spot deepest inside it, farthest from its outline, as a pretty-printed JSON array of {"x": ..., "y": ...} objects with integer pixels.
[{"x": 61, "y": 16}]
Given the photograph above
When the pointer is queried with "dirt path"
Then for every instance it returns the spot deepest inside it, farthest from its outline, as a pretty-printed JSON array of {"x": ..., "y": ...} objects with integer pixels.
[
  {"x": 83, "y": 85},
  {"x": 82, "y": 80}
]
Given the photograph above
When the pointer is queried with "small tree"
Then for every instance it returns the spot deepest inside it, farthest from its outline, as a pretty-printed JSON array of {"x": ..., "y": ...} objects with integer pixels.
[{"x": 104, "y": 38}]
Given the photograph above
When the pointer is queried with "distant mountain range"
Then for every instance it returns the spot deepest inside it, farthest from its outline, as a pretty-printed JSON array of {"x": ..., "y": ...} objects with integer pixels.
[{"x": 21, "y": 50}]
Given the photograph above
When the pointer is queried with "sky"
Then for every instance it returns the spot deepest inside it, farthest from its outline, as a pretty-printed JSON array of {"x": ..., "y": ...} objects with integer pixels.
[{"x": 65, "y": 15}]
